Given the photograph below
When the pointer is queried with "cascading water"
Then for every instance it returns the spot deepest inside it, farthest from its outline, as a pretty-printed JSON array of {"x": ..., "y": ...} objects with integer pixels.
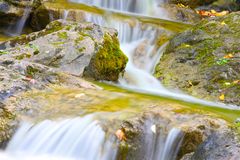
[
  {"x": 158, "y": 145},
  {"x": 73, "y": 139},
  {"x": 136, "y": 6},
  {"x": 83, "y": 138},
  {"x": 140, "y": 78},
  {"x": 17, "y": 29},
  {"x": 146, "y": 7}
]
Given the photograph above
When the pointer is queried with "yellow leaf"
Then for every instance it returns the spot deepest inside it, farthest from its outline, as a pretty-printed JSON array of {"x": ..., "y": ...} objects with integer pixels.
[
  {"x": 223, "y": 13},
  {"x": 223, "y": 23},
  {"x": 222, "y": 97},
  {"x": 213, "y": 11},
  {"x": 236, "y": 82},
  {"x": 228, "y": 56}
]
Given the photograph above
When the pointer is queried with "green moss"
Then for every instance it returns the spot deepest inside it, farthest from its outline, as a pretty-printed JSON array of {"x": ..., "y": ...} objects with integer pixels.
[
  {"x": 205, "y": 51},
  {"x": 53, "y": 27},
  {"x": 33, "y": 46},
  {"x": 3, "y": 52},
  {"x": 79, "y": 39},
  {"x": 81, "y": 49},
  {"x": 22, "y": 56},
  {"x": 31, "y": 71},
  {"x": 62, "y": 35},
  {"x": 57, "y": 43},
  {"x": 123, "y": 151}
]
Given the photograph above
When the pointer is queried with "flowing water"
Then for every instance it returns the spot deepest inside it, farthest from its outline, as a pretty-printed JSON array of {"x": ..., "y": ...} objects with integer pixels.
[
  {"x": 16, "y": 30},
  {"x": 78, "y": 138},
  {"x": 146, "y": 7},
  {"x": 84, "y": 138},
  {"x": 140, "y": 78}
]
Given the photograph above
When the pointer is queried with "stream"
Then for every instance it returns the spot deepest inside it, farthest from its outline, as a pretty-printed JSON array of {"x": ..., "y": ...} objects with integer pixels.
[{"x": 85, "y": 138}]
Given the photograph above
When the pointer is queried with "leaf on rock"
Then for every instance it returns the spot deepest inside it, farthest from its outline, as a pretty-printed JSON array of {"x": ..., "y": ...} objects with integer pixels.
[
  {"x": 222, "y": 97},
  {"x": 121, "y": 135}
]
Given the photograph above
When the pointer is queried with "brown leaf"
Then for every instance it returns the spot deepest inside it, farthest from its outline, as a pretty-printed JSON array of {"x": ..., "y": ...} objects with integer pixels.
[{"x": 120, "y": 135}]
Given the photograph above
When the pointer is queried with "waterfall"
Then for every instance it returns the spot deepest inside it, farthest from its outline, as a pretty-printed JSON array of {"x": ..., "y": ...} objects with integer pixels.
[
  {"x": 140, "y": 78},
  {"x": 84, "y": 139},
  {"x": 65, "y": 15},
  {"x": 16, "y": 30},
  {"x": 76, "y": 139},
  {"x": 158, "y": 143},
  {"x": 136, "y": 6}
]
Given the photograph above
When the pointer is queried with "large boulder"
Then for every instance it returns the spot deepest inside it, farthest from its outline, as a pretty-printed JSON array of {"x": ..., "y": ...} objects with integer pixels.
[
  {"x": 81, "y": 49},
  {"x": 204, "y": 60}
]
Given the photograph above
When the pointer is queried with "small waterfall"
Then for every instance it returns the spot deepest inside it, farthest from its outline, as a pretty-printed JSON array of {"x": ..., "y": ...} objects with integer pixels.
[
  {"x": 78, "y": 138},
  {"x": 159, "y": 145},
  {"x": 17, "y": 29},
  {"x": 135, "y": 6},
  {"x": 65, "y": 15}
]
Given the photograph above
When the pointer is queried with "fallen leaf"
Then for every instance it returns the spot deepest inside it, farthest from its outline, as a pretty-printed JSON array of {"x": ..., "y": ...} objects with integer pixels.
[
  {"x": 223, "y": 13},
  {"x": 236, "y": 82},
  {"x": 121, "y": 135},
  {"x": 223, "y": 23},
  {"x": 212, "y": 13},
  {"x": 229, "y": 56},
  {"x": 222, "y": 97}
]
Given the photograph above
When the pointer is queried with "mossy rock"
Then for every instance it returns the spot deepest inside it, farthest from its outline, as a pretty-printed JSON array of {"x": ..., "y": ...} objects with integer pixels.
[
  {"x": 81, "y": 49},
  {"x": 204, "y": 60},
  {"x": 108, "y": 62}
]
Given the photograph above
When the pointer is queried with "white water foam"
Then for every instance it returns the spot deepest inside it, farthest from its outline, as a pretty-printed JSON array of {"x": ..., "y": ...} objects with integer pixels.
[
  {"x": 159, "y": 145},
  {"x": 75, "y": 139}
]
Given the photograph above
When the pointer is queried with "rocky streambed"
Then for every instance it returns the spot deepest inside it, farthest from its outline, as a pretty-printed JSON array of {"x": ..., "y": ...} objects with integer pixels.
[{"x": 52, "y": 74}]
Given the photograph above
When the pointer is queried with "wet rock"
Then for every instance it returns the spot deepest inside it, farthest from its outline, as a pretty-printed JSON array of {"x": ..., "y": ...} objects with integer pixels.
[
  {"x": 11, "y": 11},
  {"x": 19, "y": 76},
  {"x": 48, "y": 12},
  {"x": 9, "y": 14},
  {"x": 146, "y": 136},
  {"x": 209, "y": 55},
  {"x": 7, "y": 125},
  {"x": 192, "y": 3},
  {"x": 221, "y": 5},
  {"x": 218, "y": 146},
  {"x": 182, "y": 13},
  {"x": 81, "y": 49}
]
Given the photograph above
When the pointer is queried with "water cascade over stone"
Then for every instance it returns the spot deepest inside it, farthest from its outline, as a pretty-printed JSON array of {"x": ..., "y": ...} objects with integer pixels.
[
  {"x": 17, "y": 29},
  {"x": 136, "y": 6},
  {"x": 78, "y": 138},
  {"x": 139, "y": 77},
  {"x": 84, "y": 138},
  {"x": 161, "y": 146}
]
